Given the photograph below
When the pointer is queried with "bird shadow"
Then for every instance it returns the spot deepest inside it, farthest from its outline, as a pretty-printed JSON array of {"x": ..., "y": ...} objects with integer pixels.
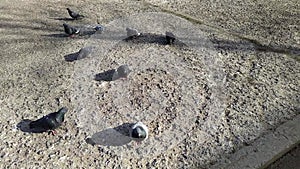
[
  {"x": 147, "y": 38},
  {"x": 81, "y": 35},
  {"x": 117, "y": 136},
  {"x": 150, "y": 38},
  {"x": 64, "y": 19},
  {"x": 23, "y": 125},
  {"x": 88, "y": 33},
  {"x": 109, "y": 75},
  {"x": 57, "y": 35},
  {"x": 71, "y": 57},
  {"x": 81, "y": 54}
]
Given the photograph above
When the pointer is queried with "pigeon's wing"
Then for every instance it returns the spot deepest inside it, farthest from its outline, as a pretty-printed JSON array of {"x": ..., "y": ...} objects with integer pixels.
[
  {"x": 115, "y": 76},
  {"x": 52, "y": 121},
  {"x": 75, "y": 30},
  {"x": 43, "y": 124},
  {"x": 123, "y": 71},
  {"x": 70, "y": 30},
  {"x": 85, "y": 52},
  {"x": 67, "y": 29},
  {"x": 74, "y": 15}
]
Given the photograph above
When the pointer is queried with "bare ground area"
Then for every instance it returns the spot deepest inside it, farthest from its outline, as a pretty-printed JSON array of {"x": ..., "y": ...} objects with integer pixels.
[{"x": 253, "y": 89}]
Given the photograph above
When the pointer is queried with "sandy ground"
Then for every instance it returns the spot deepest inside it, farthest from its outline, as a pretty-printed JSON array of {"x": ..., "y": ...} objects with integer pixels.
[{"x": 253, "y": 88}]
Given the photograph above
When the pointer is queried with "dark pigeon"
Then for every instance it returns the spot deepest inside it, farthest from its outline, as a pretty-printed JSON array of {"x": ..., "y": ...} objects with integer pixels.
[
  {"x": 71, "y": 31},
  {"x": 139, "y": 132},
  {"x": 49, "y": 122},
  {"x": 170, "y": 37},
  {"x": 74, "y": 15}
]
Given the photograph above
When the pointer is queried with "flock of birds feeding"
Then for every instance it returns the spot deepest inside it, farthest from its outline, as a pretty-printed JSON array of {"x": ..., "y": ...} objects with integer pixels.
[{"x": 52, "y": 121}]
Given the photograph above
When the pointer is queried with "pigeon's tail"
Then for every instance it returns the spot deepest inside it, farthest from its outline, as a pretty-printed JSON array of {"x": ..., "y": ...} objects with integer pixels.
[{"x": 78, "y": 16}]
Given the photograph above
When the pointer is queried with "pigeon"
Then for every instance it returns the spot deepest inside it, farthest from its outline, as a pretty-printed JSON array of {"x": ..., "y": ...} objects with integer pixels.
[
  {"x": 71, "y": 31},
  {"x": 113, "y": 74},
  {"x": 132, "y": 33},
  {"x": 138, "y": 132},
  {"x": 170, "y": 37},
  {"x": 84, "y": 52},
  {"x": 99, "y": 28},
  {"x": 121, "y": 72},
  {"x": 74, "y": 15},
  {"x": 49, "y": 122}
]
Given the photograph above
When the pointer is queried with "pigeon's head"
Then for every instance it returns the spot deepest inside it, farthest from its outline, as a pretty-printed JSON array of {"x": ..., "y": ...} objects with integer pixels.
[
  {"x": 68, "y": 9},
  {"x": 60, "y": 116},
  {"x": 123, "y": 71},
  {"x": 139, "y": 131},
  {"x": 65, "y": 25}
]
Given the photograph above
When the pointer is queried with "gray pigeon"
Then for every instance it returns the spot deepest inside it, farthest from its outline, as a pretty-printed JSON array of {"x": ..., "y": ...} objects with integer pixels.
[
  {"x": 121, "y": 72},
  {"x": 74, "y": 15},
  {"x": 84, "y": 52},
  {"x": 138, "y": 132},
  {"x": 132, "y": 33},
  {"x": 170, "y": 37},
  {"x": 49, "y": 122},
  {"x": 71, "y": 31}
]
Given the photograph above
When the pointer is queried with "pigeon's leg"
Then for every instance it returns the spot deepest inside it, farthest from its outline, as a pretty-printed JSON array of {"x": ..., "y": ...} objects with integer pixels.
[
  {"x": 53, "y": 132},
  {"x": 124, "y": 78},
  {"x": 137, "y": 143}
]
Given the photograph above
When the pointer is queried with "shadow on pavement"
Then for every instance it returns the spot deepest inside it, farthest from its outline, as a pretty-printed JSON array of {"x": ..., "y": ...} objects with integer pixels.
[
  {"x": 117, "y": 136},
  {"x": 106, "y": 75},
  {"x": 24, "y": 127},
  {"x": 64, "y": 19}
]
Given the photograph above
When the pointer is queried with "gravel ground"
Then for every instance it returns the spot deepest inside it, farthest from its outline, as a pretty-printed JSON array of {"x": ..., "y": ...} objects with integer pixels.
[{"x": 236, "y": 88}]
